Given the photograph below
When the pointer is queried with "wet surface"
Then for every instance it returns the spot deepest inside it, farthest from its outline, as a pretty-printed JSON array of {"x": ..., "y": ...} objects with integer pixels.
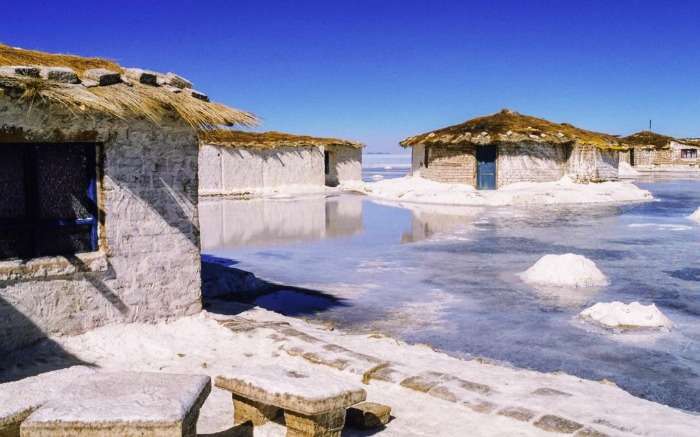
[{"x": 447, "y": 276}]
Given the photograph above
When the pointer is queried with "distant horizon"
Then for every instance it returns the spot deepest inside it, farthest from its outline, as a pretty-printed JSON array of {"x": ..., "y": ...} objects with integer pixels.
[{"x": 380, "y": 72}]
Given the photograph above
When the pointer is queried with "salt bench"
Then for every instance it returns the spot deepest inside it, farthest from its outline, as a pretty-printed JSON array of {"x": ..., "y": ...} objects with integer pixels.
[
  {"x": 313, "y": 404},
  {"x": 21, "y": 398},
  {"x": 123, "y": 404}
]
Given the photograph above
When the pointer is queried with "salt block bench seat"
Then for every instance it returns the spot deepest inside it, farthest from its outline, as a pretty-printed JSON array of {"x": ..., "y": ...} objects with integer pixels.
[
  {"x": 124, "y": 404},
  {"x": 313, "y": 403},
  {"x": 21, "y": 398}
]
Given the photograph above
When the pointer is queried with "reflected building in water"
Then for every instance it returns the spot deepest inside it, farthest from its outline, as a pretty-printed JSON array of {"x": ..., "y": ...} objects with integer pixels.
[
  {"x": 228, "y": 223},
  {"x": 427, "y": 221}
]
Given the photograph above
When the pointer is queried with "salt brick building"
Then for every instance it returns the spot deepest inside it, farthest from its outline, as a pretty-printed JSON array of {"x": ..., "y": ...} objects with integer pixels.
[
  {"x": 507, "y": 147},
  {"x": 98, "y": 194}
]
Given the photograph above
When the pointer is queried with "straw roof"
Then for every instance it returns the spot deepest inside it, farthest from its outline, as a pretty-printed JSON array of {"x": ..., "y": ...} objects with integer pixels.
[
  {"x": 648, "y": 139},
  {"x": 508, "y": 126},
  {"x": 270, "y": 140},
  {"x": 125, "y": 99},
  {"x": 691, "y": 141}
]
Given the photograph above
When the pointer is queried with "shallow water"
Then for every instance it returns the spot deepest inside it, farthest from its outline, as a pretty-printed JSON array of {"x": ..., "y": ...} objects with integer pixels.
[{"x": 447, "y": 276}]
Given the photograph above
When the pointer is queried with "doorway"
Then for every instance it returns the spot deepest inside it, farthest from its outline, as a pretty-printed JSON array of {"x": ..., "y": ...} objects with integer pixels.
[{"x": 486, "y": 167}]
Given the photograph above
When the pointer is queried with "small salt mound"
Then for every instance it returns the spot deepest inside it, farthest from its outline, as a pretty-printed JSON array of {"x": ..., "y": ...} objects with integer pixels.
[
  {"x": 695, "y": 216},
  {"x": 567, "y": 270},
  {"x": 626, "y": 170},
  {"x": 377, "y": 177},
  {"x": 619, "y": 315}
]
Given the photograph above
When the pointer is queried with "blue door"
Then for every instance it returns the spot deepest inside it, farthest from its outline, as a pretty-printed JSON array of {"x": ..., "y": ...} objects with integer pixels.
[{"x": 486, "y": 167}]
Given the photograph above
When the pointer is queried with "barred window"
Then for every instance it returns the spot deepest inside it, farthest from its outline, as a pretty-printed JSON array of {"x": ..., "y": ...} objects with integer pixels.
[
  {"x": 689, "y": 153},
  {"x": 48, "y": 203}
]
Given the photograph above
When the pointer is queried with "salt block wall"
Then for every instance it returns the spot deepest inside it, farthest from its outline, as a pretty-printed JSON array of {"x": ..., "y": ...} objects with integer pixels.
[
  {"x": 446, "y": 164},
  {"x": 148, "y": 266},
  {"x": 237, "y": 170},
  {"x": 643, "y": 156},
  {"x": 530, "y": 163},
  {"x": 345, "y": 164},
  {"x": 590, "y": 164},
  {"x": 625, "y": 156}
]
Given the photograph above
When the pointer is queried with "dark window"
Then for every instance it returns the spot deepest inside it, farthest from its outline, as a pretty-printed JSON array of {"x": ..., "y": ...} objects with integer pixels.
[
  {"x": 689, "y": 153},
  {"x": 47, "y": 200},
  {"x": 426, "y": 155},
  {"x": 327, "y": 162}
]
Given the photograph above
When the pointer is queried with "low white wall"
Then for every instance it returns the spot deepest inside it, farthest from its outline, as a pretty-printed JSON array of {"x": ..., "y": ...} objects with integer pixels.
[
  {"x": 345, "y": 165},
  {"x": 244, "y": 170},
  {"x": 590, "y": 164},
  {"x": 530, "y": 163},
  {"x": 417, "y": 159}
]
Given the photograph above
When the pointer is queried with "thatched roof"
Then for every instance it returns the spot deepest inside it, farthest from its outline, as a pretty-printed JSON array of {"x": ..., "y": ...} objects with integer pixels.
[
  {"x": 124, "y": 99},
  {"x": 655, "y": 140},
  {"x": 511, "y": 127},
  {"x": 270, "y": 140},
  {"x": 649, "y": 139},
  {"x": 692, "y": 141}
]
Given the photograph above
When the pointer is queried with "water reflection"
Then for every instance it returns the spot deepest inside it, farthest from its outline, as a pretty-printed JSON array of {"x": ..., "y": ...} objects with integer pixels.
[
  {"x": 441, "y": 221},
  {"x": 447, "y": 276},
  {"x": 234, "y": 223}
]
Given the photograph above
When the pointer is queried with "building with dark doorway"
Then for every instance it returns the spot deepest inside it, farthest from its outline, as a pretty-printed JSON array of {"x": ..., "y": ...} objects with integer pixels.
[
  {"x": 507, "y": 147},
  {"x": 239, "y": 163},
  {"x": 98, "y": 194},
  {"x": 656, "y": 152}
]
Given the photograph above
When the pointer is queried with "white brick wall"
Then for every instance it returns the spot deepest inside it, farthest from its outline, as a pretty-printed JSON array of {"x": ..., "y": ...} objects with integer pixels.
[
  {"x": 345, "y": 164},
  {"x": 149, "y": 236},
  {"x": 236, "y": 170}
]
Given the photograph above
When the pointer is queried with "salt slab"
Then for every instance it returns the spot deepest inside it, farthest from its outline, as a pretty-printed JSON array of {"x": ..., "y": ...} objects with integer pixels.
[
  {"x": 620, "y": 315},
  {"x": 20, "y": 398},
  {"x": 695, "y": 216},
  {"x": 569, "y": 270},
  {"x": 126, "y": 404},
  {"x": 290, "y": 389}
]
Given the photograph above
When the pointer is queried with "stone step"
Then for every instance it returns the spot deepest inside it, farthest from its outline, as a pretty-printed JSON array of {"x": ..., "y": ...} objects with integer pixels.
[
  {"x": 126, "y": 404},
  {"x": 21, "y": 398}
]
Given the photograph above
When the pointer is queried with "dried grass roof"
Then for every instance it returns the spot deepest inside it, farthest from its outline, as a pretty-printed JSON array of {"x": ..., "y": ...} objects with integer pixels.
[
  {"x": 270, "y": 140},
  {"x": 508, "y": 126},
  {"x": 15, "y": 56},
  {"x": 692, "y": 141},
  {"x": 648, "y": 138},
  {"x": 121, "y": 100}
]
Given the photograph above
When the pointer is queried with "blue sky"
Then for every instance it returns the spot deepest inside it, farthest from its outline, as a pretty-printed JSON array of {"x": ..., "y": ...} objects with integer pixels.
[{"x": 378, "y": 71}]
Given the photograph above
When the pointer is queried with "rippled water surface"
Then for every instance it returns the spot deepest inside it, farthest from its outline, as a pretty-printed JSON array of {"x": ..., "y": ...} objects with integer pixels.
[{"x": 447, "y": 276}]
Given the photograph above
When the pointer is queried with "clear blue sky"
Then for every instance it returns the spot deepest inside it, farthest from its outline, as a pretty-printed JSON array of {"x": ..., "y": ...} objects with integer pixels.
[{"x": 378, "y": 71}]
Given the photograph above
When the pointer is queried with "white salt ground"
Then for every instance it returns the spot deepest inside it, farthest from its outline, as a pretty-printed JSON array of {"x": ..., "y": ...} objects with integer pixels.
[
  {"x": 695, "y": 216},
  {"x": 620, "y": 315},
  {"x": 200, "y": 345},
  {"x": 415, "y": 189},
  {"x": 569, "y": 270}
]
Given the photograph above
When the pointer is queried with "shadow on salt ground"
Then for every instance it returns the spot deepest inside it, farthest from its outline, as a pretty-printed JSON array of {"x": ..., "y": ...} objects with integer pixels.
[
  {"x": 221, "y": 282},
  {"x": 42, "y": 356},
  {"x": 244, "y": 430}
]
